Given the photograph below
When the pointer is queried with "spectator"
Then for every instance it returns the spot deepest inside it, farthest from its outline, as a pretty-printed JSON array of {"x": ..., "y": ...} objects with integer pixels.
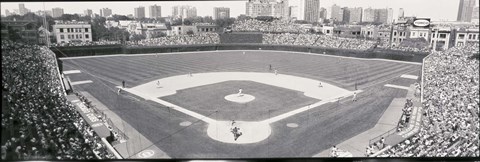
[
  {"x": 450, "y": 124},
  {"x": 35, "y": 110}
]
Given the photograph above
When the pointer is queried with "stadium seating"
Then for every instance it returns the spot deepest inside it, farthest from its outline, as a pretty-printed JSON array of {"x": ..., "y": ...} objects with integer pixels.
[
  {"x": 37, "y": 122},
  {"x": 450, "y": 126}
]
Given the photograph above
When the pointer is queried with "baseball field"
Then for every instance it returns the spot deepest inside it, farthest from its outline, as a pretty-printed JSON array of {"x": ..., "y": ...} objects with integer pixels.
[{"x": 180, "y": 102}]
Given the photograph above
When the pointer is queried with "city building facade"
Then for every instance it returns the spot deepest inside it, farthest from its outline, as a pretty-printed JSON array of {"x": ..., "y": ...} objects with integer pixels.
[
  {"x": 312, "y": 13},
  {"x": 105, "y": 12},
  {"x": 155, "y": 11},
  {"x": 88, "y": 12},
  {"x": 57, "y": 12},
  {"x": 221, "y": 13},
  {"x": 66, "y": 32},
  {"x": 337, "y": 13},
  {"x": 465, "y": 10},
  {"x": 272, "y": 8},
  {"x": 139, "y": 12},
  {"x": 184, "y": 11}
]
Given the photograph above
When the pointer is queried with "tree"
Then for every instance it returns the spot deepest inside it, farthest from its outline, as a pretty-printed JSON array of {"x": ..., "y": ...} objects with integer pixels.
[
  {"x": 187, "y": 21},
  {"x": 69, "y": 17},
  {"x": 243, "y": 17},
  {"x": 136, "y": 37},
  {"x": 14, "y": 35},
  {"x": 33, "y": 17},
  {"x": 301, "y": 22},
  {"x": 265, "y": 18},
  {"x": 117, "y": 18},
  {"x": 208, "y": 19},
  {"x": 223, "y": 23},
  {"x": 99, "y": 31},
  {"x": 176, "y": 22}
]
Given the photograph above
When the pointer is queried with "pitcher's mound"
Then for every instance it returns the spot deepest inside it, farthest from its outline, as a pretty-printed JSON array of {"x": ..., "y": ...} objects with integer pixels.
[{"x": 244, "y": 98}]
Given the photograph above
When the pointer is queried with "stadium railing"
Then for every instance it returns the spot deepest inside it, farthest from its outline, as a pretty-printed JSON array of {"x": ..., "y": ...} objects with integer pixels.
[{"x": 59, "y": 75}]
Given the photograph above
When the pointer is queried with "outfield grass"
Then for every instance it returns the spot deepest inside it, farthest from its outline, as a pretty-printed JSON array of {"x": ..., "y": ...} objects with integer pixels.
[{"x": 318, "y": 129}]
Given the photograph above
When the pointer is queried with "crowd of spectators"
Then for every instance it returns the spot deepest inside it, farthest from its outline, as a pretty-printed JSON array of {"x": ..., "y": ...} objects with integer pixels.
[
  {"x": 37, "y": 121},
  {"x": 450, "y": 122},
  {"x": 424, "y": 48},
  {"x": 317, "y": 40},
  {"x": 199, "y": 38},
  {"x": 275, "y": 26},
  {"x": 93, "y": 43},
  {"x": 406, "y": 115}
]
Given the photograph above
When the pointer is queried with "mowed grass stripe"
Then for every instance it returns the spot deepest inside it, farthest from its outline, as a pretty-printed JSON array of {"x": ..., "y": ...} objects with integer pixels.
[
  {"x": 111, "y": 68},
  {"x": 144, "y": 67},
  {"x": 157, "y": 62},
  {"x": 134, "y": 66},
  {"x": 345, "y": 69},
  {"x": 375, "y": 79},
  {"x": 369, "y": 72}
]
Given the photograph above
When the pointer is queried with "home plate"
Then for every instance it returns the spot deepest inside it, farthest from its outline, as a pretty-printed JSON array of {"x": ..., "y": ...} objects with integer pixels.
[{"x": 252, "y": 132}]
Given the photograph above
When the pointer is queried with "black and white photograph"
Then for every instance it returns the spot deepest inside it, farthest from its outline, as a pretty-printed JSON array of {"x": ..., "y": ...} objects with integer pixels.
[{"x": 240, "y": 80}]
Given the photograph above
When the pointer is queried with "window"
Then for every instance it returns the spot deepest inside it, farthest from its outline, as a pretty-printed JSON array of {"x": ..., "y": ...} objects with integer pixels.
[
  {"x": 460, "y": 44},
  {"x": 443, "y": 35},
  {"x": 412, "y": 34},
  {"x": 470, "y": 36},
  {"x": 394, "y": 39},
  {"x": 394, "y": 33},
  {"x": 461, "y": 36},
  {"x": 68, "y": 36},
  {"x": 433, "y": 35},
  {"x": 62, "y": 36},
  {"x": 76, "y": 36},
  {"x": 61, "y": 30},
  {"x": 86, "y": 29},
  {"x": 80, "y": 36},
  {"x": 86, "y": 36}
]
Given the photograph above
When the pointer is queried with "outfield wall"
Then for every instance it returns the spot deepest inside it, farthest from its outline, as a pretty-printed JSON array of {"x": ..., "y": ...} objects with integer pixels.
[{"x": 119, "y": 49}]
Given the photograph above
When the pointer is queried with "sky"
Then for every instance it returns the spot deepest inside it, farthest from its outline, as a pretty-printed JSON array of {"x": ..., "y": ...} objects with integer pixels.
[{"x": 435, "y": 9}]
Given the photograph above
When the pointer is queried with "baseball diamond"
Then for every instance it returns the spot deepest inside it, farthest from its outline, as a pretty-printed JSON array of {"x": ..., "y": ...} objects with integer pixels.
[{"x": 195, "y": 85}]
